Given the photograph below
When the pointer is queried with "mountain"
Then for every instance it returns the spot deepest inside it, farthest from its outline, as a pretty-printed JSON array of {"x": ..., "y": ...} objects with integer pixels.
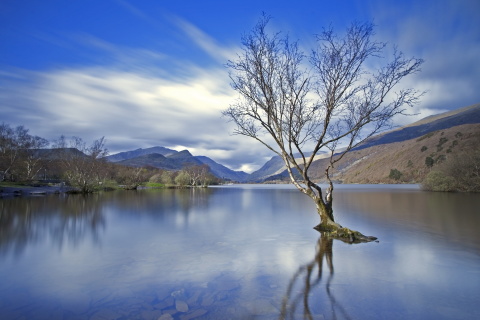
[
  {"x": 404, "y": 149},
  {"x": 167, "y": 159},
  {"x": 174, "y": 161},
  {"x": 272, "y": 167},
  {"x": 222, "y": 171},
  {"x": 467, "y": 115},
  {"x": 140, "y": 152}
]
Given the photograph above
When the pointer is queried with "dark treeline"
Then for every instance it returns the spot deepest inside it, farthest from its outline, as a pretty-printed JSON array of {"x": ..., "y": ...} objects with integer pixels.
[{"x": 32, "y": 159}]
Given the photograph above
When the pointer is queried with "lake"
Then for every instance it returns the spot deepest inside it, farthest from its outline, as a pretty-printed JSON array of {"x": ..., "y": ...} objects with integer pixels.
[{"x": 239, "y": 252}]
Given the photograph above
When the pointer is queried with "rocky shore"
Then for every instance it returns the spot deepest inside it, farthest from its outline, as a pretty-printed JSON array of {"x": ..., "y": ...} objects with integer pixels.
[{"x": 22, "y": 191}]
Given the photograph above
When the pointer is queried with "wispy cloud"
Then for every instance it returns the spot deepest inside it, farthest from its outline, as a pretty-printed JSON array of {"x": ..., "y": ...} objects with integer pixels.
[
  {"x": 204, "y": 41},
  {"x": 444, "y": 33}
]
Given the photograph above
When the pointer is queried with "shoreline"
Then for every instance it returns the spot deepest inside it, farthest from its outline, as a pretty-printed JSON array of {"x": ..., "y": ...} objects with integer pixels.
[{"x": 22, "y": 191}]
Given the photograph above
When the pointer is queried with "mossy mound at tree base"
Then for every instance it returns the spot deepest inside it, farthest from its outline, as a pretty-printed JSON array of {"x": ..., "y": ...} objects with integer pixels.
[{"x": 344, "y": 234}]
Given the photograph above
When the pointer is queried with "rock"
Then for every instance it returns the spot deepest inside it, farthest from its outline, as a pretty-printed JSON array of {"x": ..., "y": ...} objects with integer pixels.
[
  {"x": 151, "y": 314},
  {"x": 181, "y": 306},
  {"x": 165, "y": 303},
  {"x": 165, "y": 316},
  {"x": 178, "y": 293},
  {"x": 194, "y": 314},
  {"x": 260, "y": 307},
  {"x": 208, "y": 300}
]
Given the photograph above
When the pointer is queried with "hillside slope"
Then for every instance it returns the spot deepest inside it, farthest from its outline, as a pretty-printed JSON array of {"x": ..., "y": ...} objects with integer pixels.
[
  {"x": 467, "y": 115},
  {"x": 409, "y": 157},
  {"x": 405, "y": 149}
]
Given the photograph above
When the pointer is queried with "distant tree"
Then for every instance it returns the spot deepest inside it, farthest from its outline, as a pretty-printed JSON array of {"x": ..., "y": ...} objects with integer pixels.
[
  {"x": 198, "y": 174},
  {"x": 335, "y": 104},
  {"x": 84, "y": 166},
  {"x": 19, "y": 156},
  {"x": 130, "y": 177},
  {"x": 12, "y": 142},
  {"x": 182, "y": 179},
  {"x": 33, "y": 161},
  {"x": 167, "y": 177}
]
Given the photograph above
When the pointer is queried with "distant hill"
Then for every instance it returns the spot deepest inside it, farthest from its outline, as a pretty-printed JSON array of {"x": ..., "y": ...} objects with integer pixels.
[
  {"x": 272, "y": 167},
  {"x": 140, "y": 152},
  {"x": 222, "y": 171},
  {"x": 467, "y": 115},
  {"x": 58, "y": 153},
  {"x": 167, "y": 159},
  {"x": 439, "y": 137},
  {"x": 174, "y": 161}
]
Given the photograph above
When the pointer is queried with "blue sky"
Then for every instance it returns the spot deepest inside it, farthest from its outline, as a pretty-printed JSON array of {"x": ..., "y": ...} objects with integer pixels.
[{"x": 151, "y": 73}]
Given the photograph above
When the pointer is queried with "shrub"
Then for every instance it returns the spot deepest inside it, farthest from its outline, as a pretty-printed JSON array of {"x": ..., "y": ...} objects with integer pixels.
[
  {"x": 423, "y": 148},
  {"x": 438, "y": 181},
  {"x": 395, "y": 174},
  {"x": 460, "y": 173},
  {"x": 429, "y": 162}
]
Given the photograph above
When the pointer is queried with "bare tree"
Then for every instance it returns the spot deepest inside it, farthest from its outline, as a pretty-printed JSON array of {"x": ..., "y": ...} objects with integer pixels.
[
  {"x": 19, "y": 152},
  {"x": 84, "y": 166},
  {"x": 33, "y": 160},
  {"x": 199, "y": 174},
  {"x": 333, "y": 103},
  {"x": 131, "y": 177},
  {"x": 12, "y": 142}
]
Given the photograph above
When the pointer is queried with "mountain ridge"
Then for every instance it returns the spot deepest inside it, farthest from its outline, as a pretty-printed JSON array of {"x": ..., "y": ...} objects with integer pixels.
[{"x": 173, "y": 160}]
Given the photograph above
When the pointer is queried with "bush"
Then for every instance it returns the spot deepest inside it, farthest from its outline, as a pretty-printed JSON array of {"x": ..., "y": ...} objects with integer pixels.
[
  {"x": 429, "y": 162},
  {"x": 395, "y": 174},
  {"x": 460, "y": 173},
  {"x": 438, "y": 181}
]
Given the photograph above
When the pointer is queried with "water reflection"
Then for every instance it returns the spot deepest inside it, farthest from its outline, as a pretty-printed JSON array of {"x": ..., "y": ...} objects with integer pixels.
[
  {"x": 236, "y": 253},
  {"x": 73, "y": 219},
  {"x": 297, "y": 301},
  {"x": 59, "y": 219}
]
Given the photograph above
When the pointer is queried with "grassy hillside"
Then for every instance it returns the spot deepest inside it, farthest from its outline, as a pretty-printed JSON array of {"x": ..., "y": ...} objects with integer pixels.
[{"x": 408, "y": 158}]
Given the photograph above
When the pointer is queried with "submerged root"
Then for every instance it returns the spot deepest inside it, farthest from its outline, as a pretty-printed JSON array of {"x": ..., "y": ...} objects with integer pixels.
[{"x": 343, "y": 234}]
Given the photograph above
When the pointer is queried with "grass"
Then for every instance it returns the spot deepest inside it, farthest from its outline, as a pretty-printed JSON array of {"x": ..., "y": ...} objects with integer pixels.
[
  {"x": 154, "y": 185},
  {"x": 12, "y": 184}
]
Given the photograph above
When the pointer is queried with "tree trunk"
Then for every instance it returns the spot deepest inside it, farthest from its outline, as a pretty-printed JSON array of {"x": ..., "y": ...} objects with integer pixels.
[
  {"x": 327, "y": 221},
  {"x": 329, "y": 228}
]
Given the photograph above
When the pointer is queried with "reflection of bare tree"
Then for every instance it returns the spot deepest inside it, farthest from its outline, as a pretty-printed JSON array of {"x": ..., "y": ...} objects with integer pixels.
[
  {"x": 306, "y": 279},
  {"x": 63, "y": 219}
]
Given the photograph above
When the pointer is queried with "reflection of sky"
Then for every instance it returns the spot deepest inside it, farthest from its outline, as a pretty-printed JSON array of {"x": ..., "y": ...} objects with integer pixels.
[{"x": 256, "y": 238}]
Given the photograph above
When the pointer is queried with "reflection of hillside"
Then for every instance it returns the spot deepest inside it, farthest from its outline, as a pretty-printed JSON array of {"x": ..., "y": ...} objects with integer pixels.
[
  {"x": 61, "y": 220},
  {"x": 297, "y": 302},
  {"x": 452, "y": 214}
]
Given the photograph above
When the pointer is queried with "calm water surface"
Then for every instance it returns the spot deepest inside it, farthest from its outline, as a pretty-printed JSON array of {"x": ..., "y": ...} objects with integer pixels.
[{"x": 239, "y": 252}]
